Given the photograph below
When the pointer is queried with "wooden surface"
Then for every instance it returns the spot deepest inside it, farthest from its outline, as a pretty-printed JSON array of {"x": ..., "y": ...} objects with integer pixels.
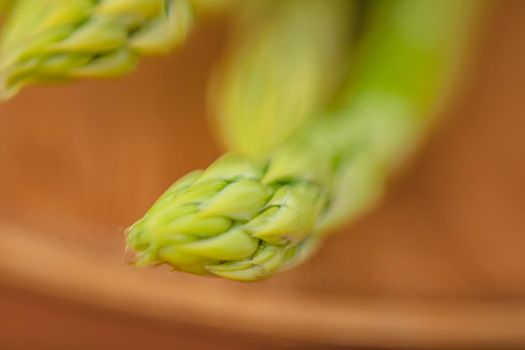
[
  {"x": 439, "y": 263},
  {"x": 43, "y": 323}
]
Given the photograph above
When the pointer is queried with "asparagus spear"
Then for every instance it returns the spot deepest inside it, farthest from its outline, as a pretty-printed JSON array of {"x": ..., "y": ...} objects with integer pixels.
[
  {"x": 247, "y": 218},
  {"x": 60, "y": 39},
  {"x": 285, "y": 62},
  {"x": 286, "y": 59}
]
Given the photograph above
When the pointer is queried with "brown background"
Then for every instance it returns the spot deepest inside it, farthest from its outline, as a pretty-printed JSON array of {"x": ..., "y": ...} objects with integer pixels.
[{"x": 440, "y": 263}]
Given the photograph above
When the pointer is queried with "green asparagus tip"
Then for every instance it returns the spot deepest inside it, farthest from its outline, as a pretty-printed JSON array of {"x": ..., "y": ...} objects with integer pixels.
[
  {"x": 229, "y": 221},
  {"x": 55, "y": 40}
]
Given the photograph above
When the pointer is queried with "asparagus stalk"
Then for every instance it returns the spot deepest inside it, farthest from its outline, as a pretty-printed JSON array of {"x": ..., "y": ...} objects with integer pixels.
[
  {"x": 247, "y": 218},
  {"x": 286, "y": 59},
  {"x": 49, "y": 40}
]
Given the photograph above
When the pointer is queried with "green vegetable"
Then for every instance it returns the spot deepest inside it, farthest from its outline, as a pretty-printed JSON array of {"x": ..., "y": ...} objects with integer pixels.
[
  {"x": 48, "y": 40},
  {"x": 230, "y": 220},
  {"x": 285, "y": 62},
  {"x": 247, "y": 218}
]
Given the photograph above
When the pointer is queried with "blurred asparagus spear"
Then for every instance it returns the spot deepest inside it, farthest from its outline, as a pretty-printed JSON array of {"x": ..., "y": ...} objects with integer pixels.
[
  {"x": 49, "y": 40},
  {"x": 247, "y": 218},
  {"x": 286, "y": 59}
]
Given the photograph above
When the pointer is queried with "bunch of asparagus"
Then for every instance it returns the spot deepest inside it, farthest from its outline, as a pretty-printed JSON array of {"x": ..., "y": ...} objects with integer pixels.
[{"x": 318, "y": 101}]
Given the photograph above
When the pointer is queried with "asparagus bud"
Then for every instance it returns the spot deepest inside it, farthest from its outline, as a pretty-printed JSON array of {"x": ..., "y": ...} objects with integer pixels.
[
  {"x": 48, "y": 40},
  {"x": 230, "y": 220}
]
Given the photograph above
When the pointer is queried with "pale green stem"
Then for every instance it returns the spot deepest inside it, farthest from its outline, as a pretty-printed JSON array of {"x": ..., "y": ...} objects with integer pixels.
[{"x": 286, "y": 58}]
